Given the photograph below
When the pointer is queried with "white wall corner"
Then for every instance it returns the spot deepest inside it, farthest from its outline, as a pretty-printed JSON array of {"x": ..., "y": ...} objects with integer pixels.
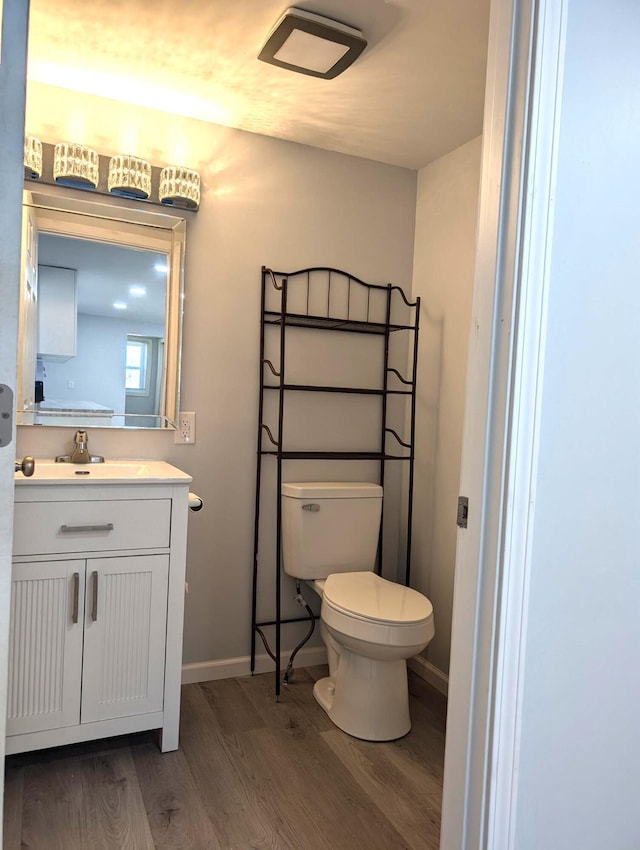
[{"x": 430, "y": 673}]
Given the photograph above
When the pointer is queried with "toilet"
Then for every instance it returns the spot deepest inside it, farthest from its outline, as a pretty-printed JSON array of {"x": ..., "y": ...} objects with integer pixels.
[{"x": 370, "y": 626}]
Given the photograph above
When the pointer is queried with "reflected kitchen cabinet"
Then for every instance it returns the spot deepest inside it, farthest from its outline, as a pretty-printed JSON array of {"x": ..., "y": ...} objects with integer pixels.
[{"x": 57, "y": 313}]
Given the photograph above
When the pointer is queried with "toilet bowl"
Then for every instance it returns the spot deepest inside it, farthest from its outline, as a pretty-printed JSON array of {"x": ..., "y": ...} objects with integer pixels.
[{"x": 370, "y": 626}]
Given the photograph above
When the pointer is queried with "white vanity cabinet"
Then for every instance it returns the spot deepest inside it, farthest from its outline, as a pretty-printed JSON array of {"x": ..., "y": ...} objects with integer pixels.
[{"x": 96, "y": 607}]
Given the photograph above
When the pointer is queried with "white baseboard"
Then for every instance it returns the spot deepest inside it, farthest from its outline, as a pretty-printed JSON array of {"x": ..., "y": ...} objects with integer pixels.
[
  {"x": 431, "y": 674},
  {"x": 231, "y": 668}
]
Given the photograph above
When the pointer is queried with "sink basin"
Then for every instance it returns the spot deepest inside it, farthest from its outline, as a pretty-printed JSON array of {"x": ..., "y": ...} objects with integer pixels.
[
  {"x": 108, "y": 469},
  {"x": 47, "y": 471}
]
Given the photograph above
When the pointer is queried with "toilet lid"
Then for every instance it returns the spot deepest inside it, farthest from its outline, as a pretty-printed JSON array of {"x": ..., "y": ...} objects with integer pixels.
[{"x": 371, "y": 597}]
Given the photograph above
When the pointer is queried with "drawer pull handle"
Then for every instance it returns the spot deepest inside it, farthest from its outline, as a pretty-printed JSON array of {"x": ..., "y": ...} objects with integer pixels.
[
  {"x": 94, "y": 596},
  {"x": 78, "y": 529},
  {"x": 76, "y": 594}
]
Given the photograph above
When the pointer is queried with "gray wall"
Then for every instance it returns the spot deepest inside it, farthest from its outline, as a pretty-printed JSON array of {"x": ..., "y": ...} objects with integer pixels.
[
  {"x": 97, "y": 370},
  {"x": 264, "y": 201},
  {"x": 578, "y": 771}
]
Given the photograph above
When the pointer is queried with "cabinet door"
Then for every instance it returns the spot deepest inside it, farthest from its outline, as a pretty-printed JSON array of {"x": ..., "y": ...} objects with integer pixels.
[
  {"x": 125, "y": 632},
  {"x": 45, "y": 645},
  {"x": 57, "y": 313}
]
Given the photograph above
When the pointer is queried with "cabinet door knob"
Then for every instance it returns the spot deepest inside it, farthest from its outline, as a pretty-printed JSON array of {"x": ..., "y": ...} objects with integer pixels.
[{"x": 94, "y": 596}]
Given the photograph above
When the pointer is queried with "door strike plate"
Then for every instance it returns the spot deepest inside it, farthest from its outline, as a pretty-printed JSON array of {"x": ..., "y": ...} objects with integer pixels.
[
  {"x": 6, "y": 415},
  {"x": 463, "y": 511}
]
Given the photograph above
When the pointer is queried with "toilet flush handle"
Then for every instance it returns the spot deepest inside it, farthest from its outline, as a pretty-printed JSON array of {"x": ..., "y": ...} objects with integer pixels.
[{"x": 311, "y": 507}]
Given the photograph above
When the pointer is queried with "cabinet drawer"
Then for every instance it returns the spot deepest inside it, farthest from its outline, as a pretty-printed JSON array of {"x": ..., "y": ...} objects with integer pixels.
[{"x": 58, "y": 527}]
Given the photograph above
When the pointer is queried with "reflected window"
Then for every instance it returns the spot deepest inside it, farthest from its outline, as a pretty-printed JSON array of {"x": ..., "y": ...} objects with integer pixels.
[{"x": 137, "y": 360}]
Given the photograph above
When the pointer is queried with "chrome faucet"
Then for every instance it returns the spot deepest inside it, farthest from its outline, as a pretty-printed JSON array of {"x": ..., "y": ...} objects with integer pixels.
[{"x": 80, "y": 453}]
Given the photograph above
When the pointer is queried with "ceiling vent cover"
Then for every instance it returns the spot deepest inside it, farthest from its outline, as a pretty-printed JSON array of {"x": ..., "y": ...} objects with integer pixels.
[{"x": 312, "y": 44}]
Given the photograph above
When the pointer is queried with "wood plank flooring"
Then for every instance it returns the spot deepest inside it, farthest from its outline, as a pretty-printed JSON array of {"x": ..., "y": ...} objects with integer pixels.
[{"x": 250, "y": 774}]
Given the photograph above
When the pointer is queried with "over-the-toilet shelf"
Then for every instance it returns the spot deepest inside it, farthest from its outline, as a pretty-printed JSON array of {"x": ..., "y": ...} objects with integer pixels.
[{"x": 322, "y": 398}]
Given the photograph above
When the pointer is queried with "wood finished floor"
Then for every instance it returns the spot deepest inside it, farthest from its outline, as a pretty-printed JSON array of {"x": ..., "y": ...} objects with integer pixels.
[{"x": 250, "y": 773}]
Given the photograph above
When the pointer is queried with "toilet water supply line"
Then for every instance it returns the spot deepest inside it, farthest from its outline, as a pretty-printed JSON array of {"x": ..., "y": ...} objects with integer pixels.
[{"x": 288, "y": 675}]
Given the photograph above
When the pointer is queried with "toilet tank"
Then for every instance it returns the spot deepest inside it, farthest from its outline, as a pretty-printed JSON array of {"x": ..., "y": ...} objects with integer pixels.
[{"x": 329, "y": 527}]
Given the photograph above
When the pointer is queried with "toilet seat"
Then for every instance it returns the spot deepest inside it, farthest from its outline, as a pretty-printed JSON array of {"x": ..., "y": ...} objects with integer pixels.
[
  {"x": 369, "y": 608},
  {"x": 370, "y": 597}
]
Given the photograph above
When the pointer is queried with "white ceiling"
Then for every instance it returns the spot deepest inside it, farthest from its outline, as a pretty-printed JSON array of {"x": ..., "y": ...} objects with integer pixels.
[
  {"x": 416, "y": 92},
  {"x": 104, "y": 274}
]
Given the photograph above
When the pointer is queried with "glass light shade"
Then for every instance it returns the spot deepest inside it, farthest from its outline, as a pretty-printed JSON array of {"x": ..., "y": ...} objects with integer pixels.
[
  {"x": 179, "y": 187},
  {"x": 32, "y": 157},
  {"x": 129, "y": 177},
  {"x": 75, "y": 165}
]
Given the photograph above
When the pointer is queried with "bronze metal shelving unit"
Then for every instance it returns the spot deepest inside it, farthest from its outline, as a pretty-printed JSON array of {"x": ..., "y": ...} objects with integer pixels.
[{"x": 360, "y": 317}]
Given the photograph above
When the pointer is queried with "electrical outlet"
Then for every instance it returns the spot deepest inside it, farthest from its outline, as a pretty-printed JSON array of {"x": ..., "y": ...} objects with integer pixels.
[{"x": 186, "y": 430}]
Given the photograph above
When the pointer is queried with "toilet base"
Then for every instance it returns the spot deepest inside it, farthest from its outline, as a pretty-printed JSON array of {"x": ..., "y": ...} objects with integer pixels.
[{"x": 367, "y": 698}]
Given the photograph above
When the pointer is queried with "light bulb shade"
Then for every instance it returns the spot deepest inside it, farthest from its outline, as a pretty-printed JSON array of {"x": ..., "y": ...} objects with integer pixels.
[
  {"x": 179, "y": 187},
  {"x": 32, "y": 157},
  {"x": 75, "y": 165},
  {"x": 129, "y": 177}
]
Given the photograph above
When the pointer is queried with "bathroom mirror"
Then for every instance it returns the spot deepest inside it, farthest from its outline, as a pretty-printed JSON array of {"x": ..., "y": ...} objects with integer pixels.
[{"x": 100, "y": 314}]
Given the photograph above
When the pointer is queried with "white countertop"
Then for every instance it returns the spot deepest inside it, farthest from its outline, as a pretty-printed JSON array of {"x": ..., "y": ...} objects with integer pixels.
[{"x": 47, "y": 471}]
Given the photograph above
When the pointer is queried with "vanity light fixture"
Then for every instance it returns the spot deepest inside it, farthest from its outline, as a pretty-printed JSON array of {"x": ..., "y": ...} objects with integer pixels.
[
  {"x": 80, "y": 167},
  {"x": 32, "y": 157},
  {"x": 129, "y": 177},
  {"x": 179, "y": 187},
  {"x": 311, "y": 44},
  {"x": 75, "y": 165}
]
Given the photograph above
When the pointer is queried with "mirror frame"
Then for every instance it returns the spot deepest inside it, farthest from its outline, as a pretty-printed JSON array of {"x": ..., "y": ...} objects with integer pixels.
[{"x": 57, "y": 212}]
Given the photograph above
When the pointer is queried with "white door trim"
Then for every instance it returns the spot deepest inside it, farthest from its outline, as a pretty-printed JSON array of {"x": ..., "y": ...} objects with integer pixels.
[
  {"x": 525, "y": 410},
  {"x": 13, "y": 38},
  {"x": 475, "y": 729}
]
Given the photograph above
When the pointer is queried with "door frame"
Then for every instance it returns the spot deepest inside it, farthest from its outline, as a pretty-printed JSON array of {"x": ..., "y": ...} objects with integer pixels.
[
  {"x": 13, "y": 61},
  {"x": 482, "y": 729},
  {"x": 504, "y": 388}
]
